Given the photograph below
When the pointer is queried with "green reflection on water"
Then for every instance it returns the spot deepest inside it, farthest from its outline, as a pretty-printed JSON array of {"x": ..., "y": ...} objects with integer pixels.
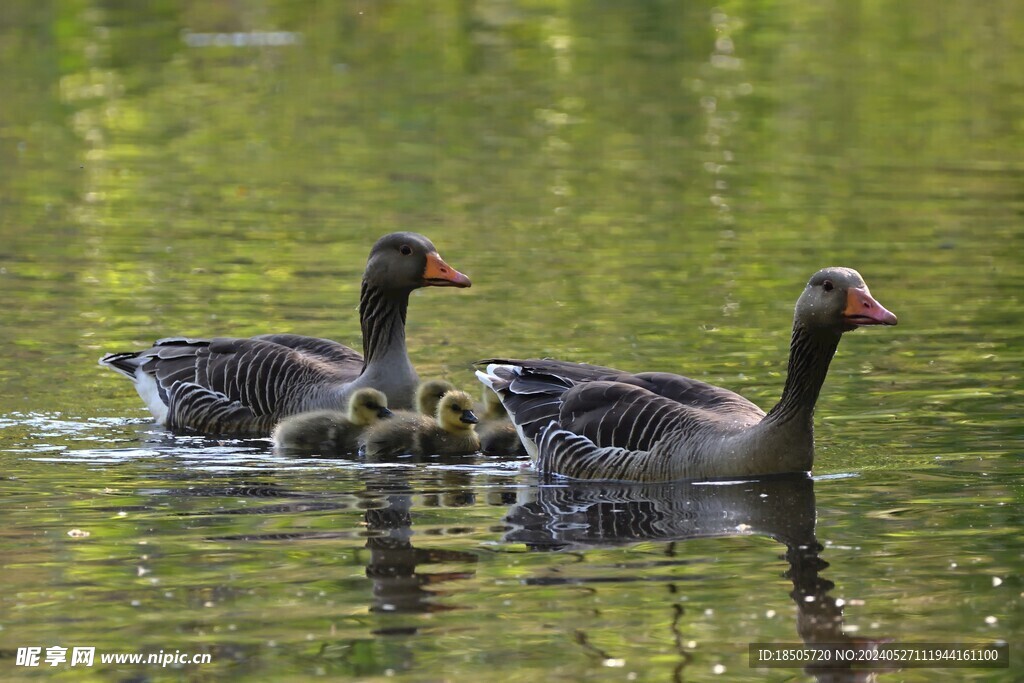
[{"x": 645, "y": 185}]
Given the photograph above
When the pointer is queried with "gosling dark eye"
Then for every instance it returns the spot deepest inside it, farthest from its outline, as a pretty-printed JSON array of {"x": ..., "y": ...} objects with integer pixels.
[
  {"x": 456, "y": 409},
  {"x": 405, "y": 250},
  {"x": 827, "y": 285}
]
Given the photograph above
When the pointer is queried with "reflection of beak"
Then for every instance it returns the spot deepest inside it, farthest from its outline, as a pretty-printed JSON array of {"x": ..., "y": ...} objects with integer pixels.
[
  {"x": 469, "y": 417},
  {"x": 437, "y": 273},
  {"x": 384, "y": 412},
  {"x": 862, "y": 309}
]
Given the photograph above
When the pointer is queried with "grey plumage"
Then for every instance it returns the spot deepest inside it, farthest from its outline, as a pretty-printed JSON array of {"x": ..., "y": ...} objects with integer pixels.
[
  {"x": 590, "y": 422},
  {"x": 244, "y": 386}
]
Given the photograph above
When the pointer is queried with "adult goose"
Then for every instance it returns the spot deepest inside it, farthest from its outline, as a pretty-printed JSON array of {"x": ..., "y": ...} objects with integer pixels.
[
  {"x": 589, "y": 422},
  {"x": 243, "y": 387}
]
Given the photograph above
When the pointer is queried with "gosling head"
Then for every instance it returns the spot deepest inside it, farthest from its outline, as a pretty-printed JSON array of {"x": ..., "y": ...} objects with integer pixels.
[
  {"x": 429, "y": 394},
  {"x": 455, "y": 412},
  {"x": 838, "y": 300},
  {"x": 493, "y": 407},
  {"x": 366, "y": 406}
]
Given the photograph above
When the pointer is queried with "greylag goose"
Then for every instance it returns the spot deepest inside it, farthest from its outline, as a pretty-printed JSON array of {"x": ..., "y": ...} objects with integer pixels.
[
  {"x": 588, "y": 422},
  {"x": 243, "y": 387},
  {"x": 498, "y": 436},
  {"x": 451, "y": 432},
  {"x": 331, "y": 432}
]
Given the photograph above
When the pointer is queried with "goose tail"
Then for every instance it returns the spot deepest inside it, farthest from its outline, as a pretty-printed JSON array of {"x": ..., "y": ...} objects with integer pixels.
[
  {"x": 125, "y": 363},
  {"x": 498, "y": 377}
]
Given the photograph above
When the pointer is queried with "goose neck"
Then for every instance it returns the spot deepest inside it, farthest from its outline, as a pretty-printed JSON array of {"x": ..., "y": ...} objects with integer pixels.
[
  {"x": 382, "y": 318},
  {"x": 810, "y": 353}
]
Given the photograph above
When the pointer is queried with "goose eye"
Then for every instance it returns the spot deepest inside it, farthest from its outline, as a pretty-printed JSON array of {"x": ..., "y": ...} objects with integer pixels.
[
  {"x": 405, "y": 250},
  {"x": 827, "y": 285}
]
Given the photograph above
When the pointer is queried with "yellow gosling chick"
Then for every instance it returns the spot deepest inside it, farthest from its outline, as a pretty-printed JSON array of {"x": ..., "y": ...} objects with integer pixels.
[
  {"x": 451, "y": 432},
  {"x": 491, "y": 407},
  {"x": 429, "y": 394},
  {"x": 498, "y": 435},
  {"x": 331, "y": 432},
  {"x": 500, "y": 438},
  {"x": 398, "y": 438}
]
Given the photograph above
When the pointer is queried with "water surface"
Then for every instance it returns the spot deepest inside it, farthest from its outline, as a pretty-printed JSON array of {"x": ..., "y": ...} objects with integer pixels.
[{"x": 642, "y": 185}]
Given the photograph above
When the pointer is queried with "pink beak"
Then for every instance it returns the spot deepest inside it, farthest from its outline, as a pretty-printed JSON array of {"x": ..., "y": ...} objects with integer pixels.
[{"x": 862, "y": 309}]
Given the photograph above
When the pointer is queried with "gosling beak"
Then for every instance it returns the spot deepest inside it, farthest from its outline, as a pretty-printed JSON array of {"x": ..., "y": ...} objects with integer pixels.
[
  {"x": 437, "y": 273},
  {"x": 383, "y": 412},
  {"x": 469, "y": 417},
  {"x": 862, "y": 309}
]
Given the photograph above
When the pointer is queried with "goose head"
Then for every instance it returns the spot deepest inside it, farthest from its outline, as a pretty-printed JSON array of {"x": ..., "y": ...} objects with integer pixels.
[
  {"x": 429, "y": 394},
  {"x": 455, "y": 412},
  {"x": 367, "y": 406},
  {"x": 407, "y": 261},
  {"x": 838, "y": 300}
]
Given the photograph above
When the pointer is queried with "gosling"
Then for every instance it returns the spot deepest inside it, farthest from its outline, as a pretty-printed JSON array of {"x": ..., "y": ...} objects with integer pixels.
[
  {"x": 429, "y": 394},
  {"x": 452, "y": 432},
  {"x": 491, "y": 408},
  {"x": 404, "y": 423},
  {"x": 401, "y": 433},
  {"x": 498, "y": 436},
  {"x": 332, "y": 432}
]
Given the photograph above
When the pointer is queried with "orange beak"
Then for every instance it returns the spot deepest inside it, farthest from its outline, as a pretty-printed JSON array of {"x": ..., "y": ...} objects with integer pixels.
[
  {"x": 862, "y": 309},
  {"x": 439, "y": 274}
]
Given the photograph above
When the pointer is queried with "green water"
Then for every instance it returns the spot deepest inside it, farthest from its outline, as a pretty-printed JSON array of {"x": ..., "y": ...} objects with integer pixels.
[{"x": 646, "y": 185}]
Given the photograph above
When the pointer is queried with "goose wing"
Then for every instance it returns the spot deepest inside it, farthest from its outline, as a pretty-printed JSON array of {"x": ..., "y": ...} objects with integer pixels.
[
  {"x": 346, "y": 360},
  {"x": 237, "y": 386},
  {"x": 692, "y": 392},
  {"x": 612, "y": 430},
  {"x": 684, "y": 390},
  {"x": 566, "y": 371},
  {"x": 608, "y": 412},
  {"x": 619, "y": 415},
  {"x": 591, "y": 422}
]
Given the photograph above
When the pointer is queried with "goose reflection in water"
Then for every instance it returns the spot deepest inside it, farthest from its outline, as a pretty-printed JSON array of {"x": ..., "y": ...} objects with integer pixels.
[
  {"x": 399, "y": 583},
  {"x": 582, "y": 516}
]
